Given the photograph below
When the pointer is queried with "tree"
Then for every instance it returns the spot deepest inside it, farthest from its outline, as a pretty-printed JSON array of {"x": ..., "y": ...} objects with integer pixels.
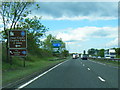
[
  {"x": 91, "y": 51},
  {"x": 101, "y": 52},
  {"x": 65, "y": 53},
  {"x": 11, "y": 13},
  {"x": 47, "y": 42},
  {"x": 35, "y": 30},
  {"x": 117, "y": 52},
  {"x": 14, "y": 17}
]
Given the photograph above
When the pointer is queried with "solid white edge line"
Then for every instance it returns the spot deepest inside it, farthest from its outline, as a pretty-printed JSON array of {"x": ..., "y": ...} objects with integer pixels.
[
  {"x": 39, "y": 76},
  {"x": 88, "y": 68},
  {"x": 101, "y": 79}
]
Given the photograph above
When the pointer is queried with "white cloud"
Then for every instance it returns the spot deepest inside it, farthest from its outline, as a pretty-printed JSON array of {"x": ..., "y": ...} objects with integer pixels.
[
  {"x": 46, "y": 17},
  {"x": 113, "y": 43},
  {"x": 85, "y": 33}
]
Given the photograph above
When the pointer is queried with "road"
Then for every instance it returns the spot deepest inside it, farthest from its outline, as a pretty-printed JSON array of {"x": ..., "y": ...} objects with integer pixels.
[{"x": 77, "y": 73}]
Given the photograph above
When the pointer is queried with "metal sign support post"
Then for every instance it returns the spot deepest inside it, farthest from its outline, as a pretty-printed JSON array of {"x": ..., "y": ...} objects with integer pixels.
[
  {"x": 24, "y": 61},
  {"x": 9, "y": 57},
  {"x": 10, "y": 60}
]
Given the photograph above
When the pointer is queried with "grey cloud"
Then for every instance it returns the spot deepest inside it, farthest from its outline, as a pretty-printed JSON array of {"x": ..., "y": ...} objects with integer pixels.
[
  {"x": 72, "y": 40},
  {"x": 58, "y": 9},
  {"x": 100, "y": 34}
]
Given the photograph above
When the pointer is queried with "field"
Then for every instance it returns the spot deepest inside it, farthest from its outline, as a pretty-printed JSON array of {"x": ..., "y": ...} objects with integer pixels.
[{"x": 16, "y": 71}]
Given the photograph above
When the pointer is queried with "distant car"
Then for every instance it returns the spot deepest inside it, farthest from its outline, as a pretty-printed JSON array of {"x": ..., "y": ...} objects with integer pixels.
[
  {"x": 74, "y": 56},
  {"x": 99, "y": 56},
  {"x": 78, "y": 56},
  {"x": 84, "y": 57},
  {"x": 93, "y": 56},
  {"x": 107, "y": 56}
]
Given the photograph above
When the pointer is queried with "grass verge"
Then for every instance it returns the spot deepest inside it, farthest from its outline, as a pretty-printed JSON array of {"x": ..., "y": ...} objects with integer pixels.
[
  {"x": 16, "y": 71},
  {"x": 109, "y": 62}
]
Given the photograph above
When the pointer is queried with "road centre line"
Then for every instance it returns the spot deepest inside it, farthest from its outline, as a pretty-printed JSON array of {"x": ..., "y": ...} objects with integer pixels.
[
  {"x": 101, "y": 79},
  {"x": 39, "y": 76}
]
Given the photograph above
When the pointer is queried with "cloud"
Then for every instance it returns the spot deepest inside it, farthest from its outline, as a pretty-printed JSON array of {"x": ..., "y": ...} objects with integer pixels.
[
  {"x": 79, "y": 39},
  {"x": 77, "y": 10},
  {"x": 106, "y": 32},
  {"x": 86, "y": 33},
  {"x": 82, "y": 32},
  {"x": 113, "y": 43},
  {"x": 46, "y": 17}
]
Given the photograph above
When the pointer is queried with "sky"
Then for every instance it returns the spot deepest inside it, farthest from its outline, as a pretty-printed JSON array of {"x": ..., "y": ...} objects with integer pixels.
[{"x": 81, "y": 25}]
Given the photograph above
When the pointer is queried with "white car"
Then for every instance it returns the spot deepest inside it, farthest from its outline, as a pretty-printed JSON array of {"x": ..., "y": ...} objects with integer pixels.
[
  {"x": 74, "y": 56},
  {"x": 107, "y": 56},
  {"x": 99, "y": 56}
]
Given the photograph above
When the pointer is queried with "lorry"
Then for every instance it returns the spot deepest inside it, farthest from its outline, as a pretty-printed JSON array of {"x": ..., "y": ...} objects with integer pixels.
[{"x": 110, "y": 53}]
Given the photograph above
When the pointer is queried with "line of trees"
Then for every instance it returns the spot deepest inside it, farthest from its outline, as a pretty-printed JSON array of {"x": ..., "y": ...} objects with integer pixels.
[{"x": 100, "y": 52}]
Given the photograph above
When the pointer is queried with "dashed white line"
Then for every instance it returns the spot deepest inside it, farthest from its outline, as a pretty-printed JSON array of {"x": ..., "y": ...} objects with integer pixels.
[
  {"x": 39, "y": 76},
  {"x": 83, "y": 65},
  {"x": 88, "y": 68},
  {"x": 101, "y": 63},
  {"x": 101, "y": 79}
]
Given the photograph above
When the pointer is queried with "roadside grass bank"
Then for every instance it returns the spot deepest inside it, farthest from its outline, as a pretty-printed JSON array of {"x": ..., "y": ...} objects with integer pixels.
[
  {"x": 16, "y": 71},
  {"x": 109, "y": 62}
]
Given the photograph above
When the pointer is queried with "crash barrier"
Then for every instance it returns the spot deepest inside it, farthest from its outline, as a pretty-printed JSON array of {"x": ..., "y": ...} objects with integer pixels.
[{"x": 107, "y": 59}]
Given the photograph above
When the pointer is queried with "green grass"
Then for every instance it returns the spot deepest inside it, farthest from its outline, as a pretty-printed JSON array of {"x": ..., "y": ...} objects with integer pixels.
[
  {"x": 16, "y": 71},
  {"x": 114, "y": 63}
]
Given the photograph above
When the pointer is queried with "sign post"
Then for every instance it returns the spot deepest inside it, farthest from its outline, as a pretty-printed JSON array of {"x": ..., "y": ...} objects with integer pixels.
[{"x": 17, "y": 43}]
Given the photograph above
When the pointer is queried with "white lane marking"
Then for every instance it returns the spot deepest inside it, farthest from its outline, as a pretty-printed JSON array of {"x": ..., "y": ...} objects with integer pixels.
[
  {"x": 88, "y": 68},
  {"x": 97, "y": 62},
  {"x": 39, "y": 76},
  {"x": 101, "y": 63},
  {"x": 101, "y": 79},
  {"x": 83, "y": 65}
]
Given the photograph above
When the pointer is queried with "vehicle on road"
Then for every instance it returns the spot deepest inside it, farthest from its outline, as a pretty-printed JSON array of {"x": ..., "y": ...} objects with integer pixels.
[
  {"x": 84, "y": 57},
  {"x": 110, "y": 53},
  {"x": 107, "y": 56},
  {"x": 78, "y": 55},
  {"x": 74, "y": 56},
  {"x": 99, "y": 57}
]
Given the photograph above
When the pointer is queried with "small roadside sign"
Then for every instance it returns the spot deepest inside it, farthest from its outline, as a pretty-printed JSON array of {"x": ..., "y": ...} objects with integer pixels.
[{"x": 18, "y": 52}]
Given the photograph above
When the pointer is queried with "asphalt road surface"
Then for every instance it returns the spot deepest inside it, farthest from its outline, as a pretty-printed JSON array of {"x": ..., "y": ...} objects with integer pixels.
[{"x": 77, "y": 73}]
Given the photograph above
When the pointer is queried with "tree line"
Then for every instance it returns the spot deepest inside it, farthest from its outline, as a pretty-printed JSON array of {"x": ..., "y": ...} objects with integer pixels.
[{"x": 100, "y": 52}]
